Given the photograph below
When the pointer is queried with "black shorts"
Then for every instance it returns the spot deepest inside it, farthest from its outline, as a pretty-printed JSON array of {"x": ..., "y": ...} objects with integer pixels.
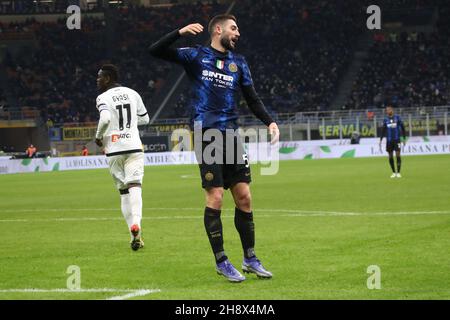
[
  {"x": 221, "y": 168},
  {"x": 393, "y": 145}
]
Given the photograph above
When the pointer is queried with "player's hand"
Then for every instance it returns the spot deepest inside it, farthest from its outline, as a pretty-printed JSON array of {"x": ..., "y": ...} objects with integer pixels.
[
  {"x": 99, "y": 142},
  {"x": 191, "y": 29},
  {"x": 274, "y": 132}
]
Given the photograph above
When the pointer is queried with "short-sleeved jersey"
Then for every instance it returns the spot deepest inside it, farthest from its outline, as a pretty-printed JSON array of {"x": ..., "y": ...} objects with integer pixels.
[
  {"x": 216, "y": 79},
  {"x": 393, "y": 126},
  {"x": 122, "y": 134}
]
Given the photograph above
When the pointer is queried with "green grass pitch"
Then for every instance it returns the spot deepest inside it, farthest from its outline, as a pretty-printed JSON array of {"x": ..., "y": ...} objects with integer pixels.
[{"x": 319, "y": 225}]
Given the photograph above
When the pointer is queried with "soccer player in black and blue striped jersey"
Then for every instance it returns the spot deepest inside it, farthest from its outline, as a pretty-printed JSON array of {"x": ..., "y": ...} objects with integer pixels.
[
  {"x": 218, "y": 75},
  {"x": 393, "y": 129}
]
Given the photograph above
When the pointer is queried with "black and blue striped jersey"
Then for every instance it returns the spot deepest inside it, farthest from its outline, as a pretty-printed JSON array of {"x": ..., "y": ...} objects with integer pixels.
[
  {"x": 393, "y": 128},
  {"x": 217, "y": 78}
]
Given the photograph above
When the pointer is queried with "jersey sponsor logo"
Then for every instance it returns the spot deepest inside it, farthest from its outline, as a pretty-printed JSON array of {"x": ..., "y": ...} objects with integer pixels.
[
  {"x": 220, "y": 79},
  {"x": 232, "y": 67},
  {"x": 217, "y": 75},
  {"x": 392, "y": 125},
  {"x": 117, "y": 137}
]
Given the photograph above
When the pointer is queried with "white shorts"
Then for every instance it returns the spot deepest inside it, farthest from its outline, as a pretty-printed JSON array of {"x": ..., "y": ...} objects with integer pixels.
[{"x": 126, "y": 168}]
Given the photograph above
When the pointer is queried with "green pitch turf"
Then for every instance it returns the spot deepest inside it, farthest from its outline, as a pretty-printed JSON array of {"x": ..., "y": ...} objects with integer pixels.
[{"x": 319, "y": 225}]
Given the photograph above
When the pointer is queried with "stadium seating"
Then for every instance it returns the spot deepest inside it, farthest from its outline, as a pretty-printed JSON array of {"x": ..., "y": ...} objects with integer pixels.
[
  {"x": 59, "y": 76},
  {"x": 298, "y": 52},
  {"x": 406, "y": 70}
]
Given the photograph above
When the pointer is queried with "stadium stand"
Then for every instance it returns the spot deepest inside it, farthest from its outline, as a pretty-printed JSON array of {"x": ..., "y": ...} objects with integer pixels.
[
  {"x": 58, "y": 77},
  {"x": 298, "y": 66},
  {"x": 406, "y": 69}
]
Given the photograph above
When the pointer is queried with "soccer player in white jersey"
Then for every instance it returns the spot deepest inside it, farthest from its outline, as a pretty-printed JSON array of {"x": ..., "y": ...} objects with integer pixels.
[{"x": 121, "y": 111}]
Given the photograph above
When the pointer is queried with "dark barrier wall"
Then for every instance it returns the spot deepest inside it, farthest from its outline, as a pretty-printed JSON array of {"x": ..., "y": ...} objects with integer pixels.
[
  {"x": 21, "y": 138},
  {"x": 155, "y": 143}
]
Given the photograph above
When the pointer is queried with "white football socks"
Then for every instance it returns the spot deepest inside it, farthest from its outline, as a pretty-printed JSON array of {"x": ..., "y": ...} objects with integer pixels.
[
  {"x": 136, "y": 205},
  {"x": 126, "y": 210}
]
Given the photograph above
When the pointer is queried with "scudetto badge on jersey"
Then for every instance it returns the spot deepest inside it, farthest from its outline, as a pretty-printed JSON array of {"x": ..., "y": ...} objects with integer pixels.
[{"x": 220, "y": 64}]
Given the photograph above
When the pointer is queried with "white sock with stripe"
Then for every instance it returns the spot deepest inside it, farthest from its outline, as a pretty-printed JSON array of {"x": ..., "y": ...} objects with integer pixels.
[
  {"x": 126, "y": 209},
  {"x": 136, "y": 205}
]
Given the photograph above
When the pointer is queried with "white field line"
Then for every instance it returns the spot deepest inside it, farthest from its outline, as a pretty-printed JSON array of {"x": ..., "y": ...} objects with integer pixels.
[
  {"x": 64, "y": 290},
  {"x": 271, "y": 213},
  {"x": 201, "y": 210},
  {"x": 129, "y": 293}
]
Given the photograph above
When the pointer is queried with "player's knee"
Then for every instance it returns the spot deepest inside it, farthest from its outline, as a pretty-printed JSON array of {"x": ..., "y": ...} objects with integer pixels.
[
  {"x": 214, "y": 198},
  {"x": 244, "y": 201}
]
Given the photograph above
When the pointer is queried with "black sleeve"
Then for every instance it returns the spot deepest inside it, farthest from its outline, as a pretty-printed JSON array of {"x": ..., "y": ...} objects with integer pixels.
[
  {"x": 256, "y": 105},
  {"x": 161, "y": 48},
  {"x": 383, "y": 131}
]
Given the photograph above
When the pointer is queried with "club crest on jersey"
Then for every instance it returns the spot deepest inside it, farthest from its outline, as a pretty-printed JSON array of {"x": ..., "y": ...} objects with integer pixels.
[
  {"x": 232, "y": 67},
  {"x": 209, "y": 176},
  {"x": 220, "y": 64},
  {"x": 117, "y": 137}
]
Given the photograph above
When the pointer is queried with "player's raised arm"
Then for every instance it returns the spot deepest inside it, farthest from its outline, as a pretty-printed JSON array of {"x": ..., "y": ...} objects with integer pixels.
[
  {"x": 161, "y": 48},
  {"x": 191, "y": 29}
]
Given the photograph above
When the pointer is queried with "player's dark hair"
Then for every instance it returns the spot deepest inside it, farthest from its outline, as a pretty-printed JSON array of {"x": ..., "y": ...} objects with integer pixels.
[
  {"x": 111, "y": 71},
  {"x": 219, "y": 19}
]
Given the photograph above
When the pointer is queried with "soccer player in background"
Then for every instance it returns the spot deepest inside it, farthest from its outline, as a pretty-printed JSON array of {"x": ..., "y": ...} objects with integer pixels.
[
  {"x": 217, "y": 74},
  {"x": 393, "y": 129},
  {"x": 121, "y": 111}
]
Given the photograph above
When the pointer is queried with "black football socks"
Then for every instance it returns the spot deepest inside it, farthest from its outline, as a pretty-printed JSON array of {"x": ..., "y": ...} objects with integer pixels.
[
  {"x": 399, "y": 164},
  {"x": 243, "y": 222},
  {"x": 213, "y": 226},
  {"x": 391, "y": 162}
]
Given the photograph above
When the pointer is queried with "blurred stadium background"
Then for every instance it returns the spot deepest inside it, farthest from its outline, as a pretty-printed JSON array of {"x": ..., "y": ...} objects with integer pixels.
[{"x": 322, "y": 75}]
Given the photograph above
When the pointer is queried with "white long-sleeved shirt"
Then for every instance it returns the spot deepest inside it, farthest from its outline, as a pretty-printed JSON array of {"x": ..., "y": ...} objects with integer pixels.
[{"x": 121, "y": 111}]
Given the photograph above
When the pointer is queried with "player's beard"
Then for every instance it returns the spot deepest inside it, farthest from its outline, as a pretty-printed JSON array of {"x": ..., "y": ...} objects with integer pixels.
[{"x": 226, "y": 43}]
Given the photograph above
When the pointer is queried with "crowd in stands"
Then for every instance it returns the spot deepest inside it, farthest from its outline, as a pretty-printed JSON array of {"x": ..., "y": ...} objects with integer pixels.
[
  {"x": 3, "y": 102},
  {"x": 294, "y": 58},
  {"x": 298, "y": 52},
  {"x": 45, "y": 7},
  {"x": 302, "y": 49},
  {"x": 406, "y": 69},
  {"x": 59, "y": 76}
]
